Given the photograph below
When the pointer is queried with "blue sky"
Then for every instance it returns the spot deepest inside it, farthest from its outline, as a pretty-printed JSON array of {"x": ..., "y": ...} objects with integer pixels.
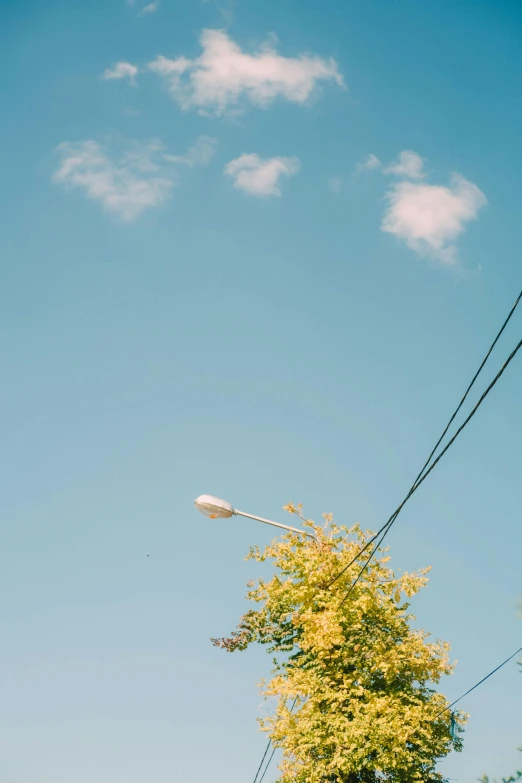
[{"x": 209, "y": 286}]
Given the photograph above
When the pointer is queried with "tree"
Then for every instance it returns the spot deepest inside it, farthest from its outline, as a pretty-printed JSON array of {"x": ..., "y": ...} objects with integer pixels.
[{"x": 352, "y": 679}]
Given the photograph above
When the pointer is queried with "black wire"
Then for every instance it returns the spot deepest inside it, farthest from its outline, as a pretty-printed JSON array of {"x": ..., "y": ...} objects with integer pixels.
[
  {"x": 267, "y": 765},
  {"x": 461, "y": 403},
  {"x": 418, "y": 480},
  {"x": 261, "y": 764},
  {"x": 478, "y": 683},
  {"x": 389, "y": 524},
  {"x": 272, "y": 754}
]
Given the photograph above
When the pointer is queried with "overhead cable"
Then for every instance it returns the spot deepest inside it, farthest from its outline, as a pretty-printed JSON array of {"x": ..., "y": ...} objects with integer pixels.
[
  {"x": 271, "y": 755},
  {"x": 421, "y": 476},
  {"x": 479, "y": 683},
  {"x": 466, "y": 421},
  {"x": 261, "y": 764}
]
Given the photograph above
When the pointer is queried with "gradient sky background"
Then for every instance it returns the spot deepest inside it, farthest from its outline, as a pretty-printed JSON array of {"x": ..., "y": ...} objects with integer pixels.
[{"x": 260, "y": 347}]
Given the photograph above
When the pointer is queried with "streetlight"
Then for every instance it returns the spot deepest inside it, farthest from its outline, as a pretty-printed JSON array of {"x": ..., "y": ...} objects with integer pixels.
[{"x": 215, "y": 508}]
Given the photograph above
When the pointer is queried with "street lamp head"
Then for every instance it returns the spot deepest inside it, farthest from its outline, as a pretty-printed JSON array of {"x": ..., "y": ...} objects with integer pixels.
[{"x": 213, "y": 507}]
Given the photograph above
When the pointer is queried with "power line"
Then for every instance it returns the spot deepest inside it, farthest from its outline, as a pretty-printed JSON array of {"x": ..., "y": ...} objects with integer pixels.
[
  {"x": 420, "y": 476},
  {"x": 461, "y": 403},
  {"x": 261, "y": 764},
  {"x": 478, "y": 683},
  {"x": 470, "y": 689},
  {"x": 267, "y": 765},
  {"x": 388, "y": 525},
  {"x": 272, "y": 754}
]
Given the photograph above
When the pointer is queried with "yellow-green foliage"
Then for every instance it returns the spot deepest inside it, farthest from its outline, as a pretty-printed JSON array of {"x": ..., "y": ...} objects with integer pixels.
[{"x": 353, "y": 685}]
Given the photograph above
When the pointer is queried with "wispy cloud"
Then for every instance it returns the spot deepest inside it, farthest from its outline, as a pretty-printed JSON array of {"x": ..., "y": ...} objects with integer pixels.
[
  {"x": 223, "y": 75},
  {"x": 408, "y": 164},
  {"x": 122, "y": 70},
  {"x": 429, "y": 218},
  {"x": 139, "y": 178},
  {"x": 370, "y": 163},
  {"x": 151, "y": 8},
  {"x": 199, "y": 154},
  {"x": 258, "y": 176},
  {"x": 125, "y": 187}
]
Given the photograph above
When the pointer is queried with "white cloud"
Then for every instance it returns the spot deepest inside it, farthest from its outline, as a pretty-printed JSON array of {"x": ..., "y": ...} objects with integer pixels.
[
  {"x": 151, "y": 8},
  {"x": 199, "y": 154},
  {"x": 260, "y": 177},
  {"x": 122, "y": 70},
  {"x": 139, "y": 178},
  {"x": 125, "y": 187},
  {"x": 408, "y": 164},
  {"x": 222, "y": 75},
  {"x": 370, "y": 163},
  {"x": 429, "y": 218}
]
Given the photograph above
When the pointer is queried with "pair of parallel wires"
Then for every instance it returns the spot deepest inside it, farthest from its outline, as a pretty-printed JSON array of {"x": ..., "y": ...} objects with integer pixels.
[{"x": 427, "y": 468}]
